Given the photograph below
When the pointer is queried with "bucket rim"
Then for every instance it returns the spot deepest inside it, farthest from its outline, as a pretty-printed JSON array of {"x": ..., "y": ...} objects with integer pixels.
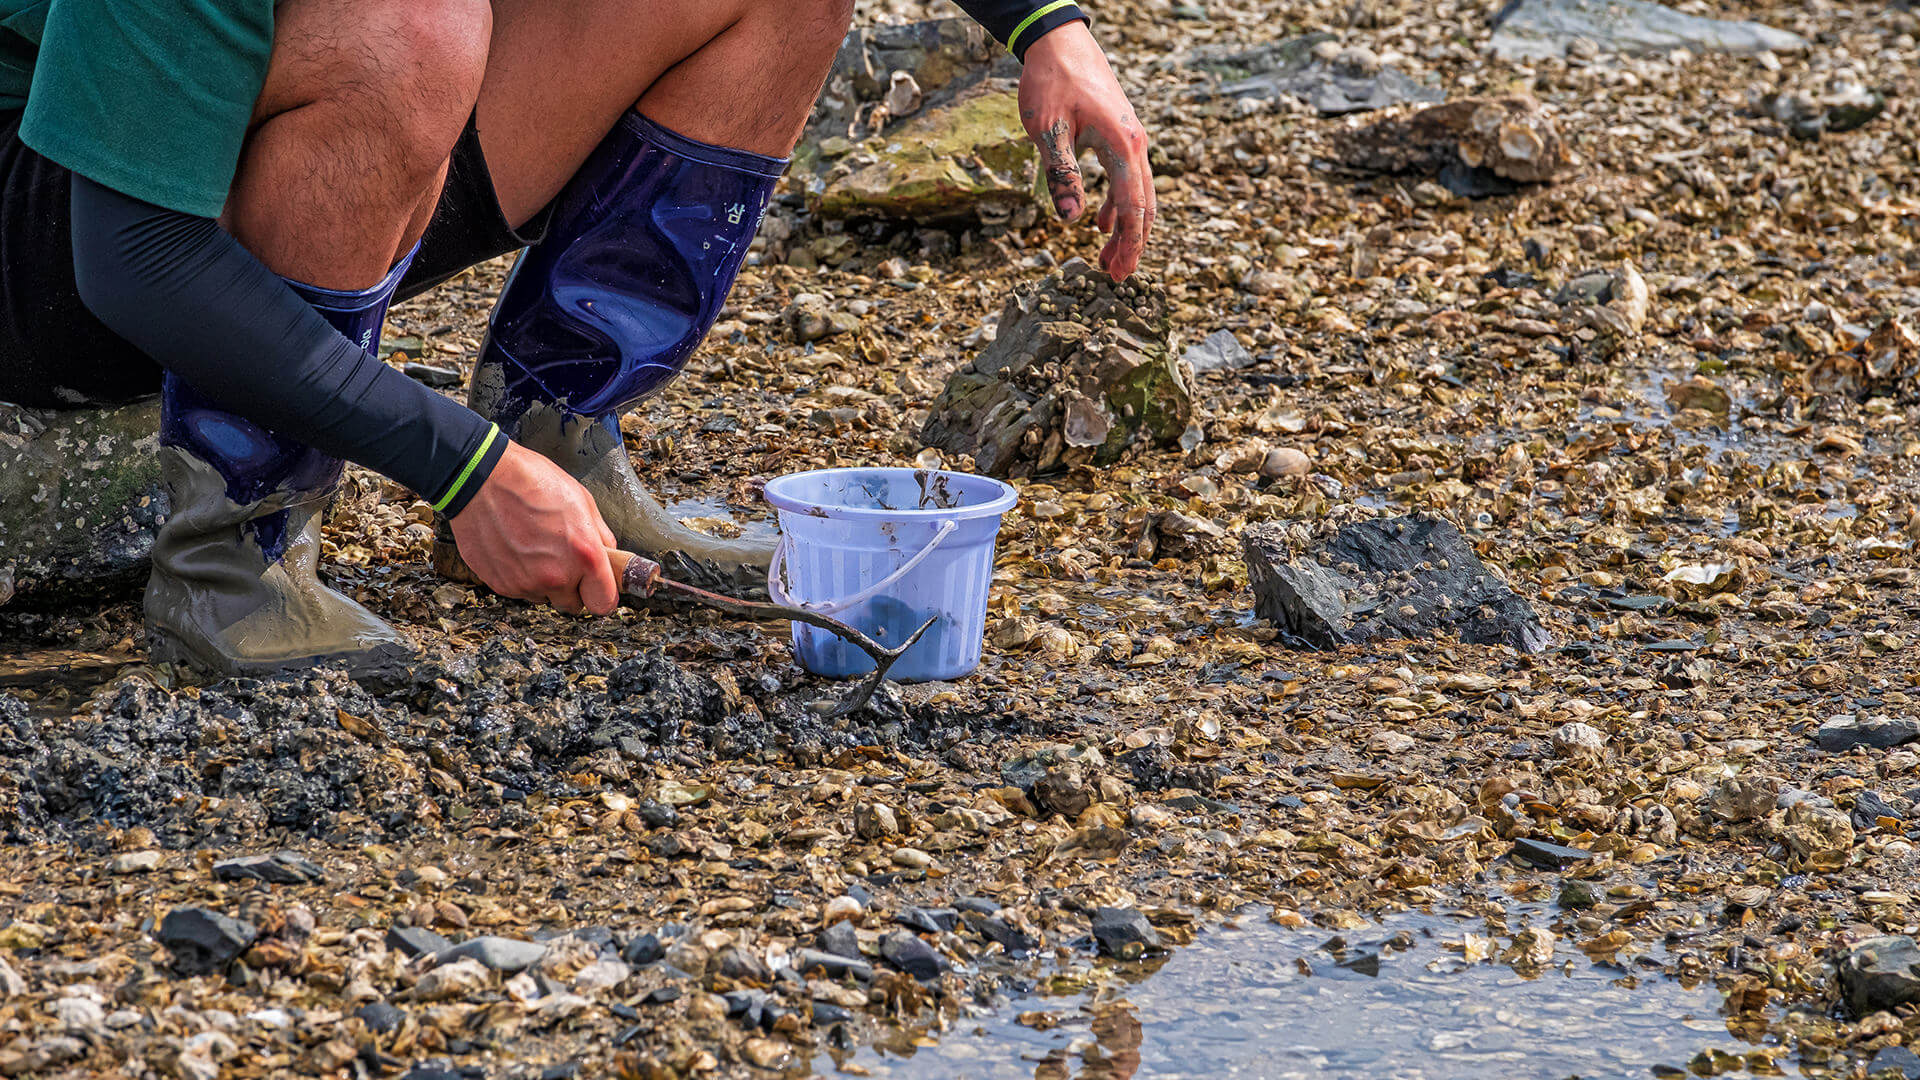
[{"x": 994, "y": 507}]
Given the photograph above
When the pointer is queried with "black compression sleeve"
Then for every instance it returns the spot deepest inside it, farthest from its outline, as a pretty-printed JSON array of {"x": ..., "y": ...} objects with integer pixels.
[
  {"x": 186, "y": 293},
  {"x": 1017, "y": 24}
]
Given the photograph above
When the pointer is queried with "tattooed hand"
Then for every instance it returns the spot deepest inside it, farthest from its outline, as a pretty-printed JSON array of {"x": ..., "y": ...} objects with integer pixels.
[{"x": 1070, "y": 101}]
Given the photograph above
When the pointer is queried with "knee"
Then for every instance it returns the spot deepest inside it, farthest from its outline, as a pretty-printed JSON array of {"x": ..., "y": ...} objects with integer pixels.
[
  {"x": 429, "y": 59},
  {"x": 443, "y": 45}
]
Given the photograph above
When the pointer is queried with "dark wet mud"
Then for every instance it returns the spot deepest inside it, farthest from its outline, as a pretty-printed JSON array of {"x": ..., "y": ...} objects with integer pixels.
[{"x": 466, "y": 740}]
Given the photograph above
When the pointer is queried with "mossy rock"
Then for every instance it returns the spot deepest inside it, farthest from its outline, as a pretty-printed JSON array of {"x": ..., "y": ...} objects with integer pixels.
[
  {"x": 80, "y": 498},
  {"x": 959, "y": 161}
]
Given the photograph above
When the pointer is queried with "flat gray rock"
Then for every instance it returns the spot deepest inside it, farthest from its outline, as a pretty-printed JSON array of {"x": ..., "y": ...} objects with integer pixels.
[
  {"x": 1314, "y": 69},
  {"x": 1878, "y": 732},
  {"x": 279, "y": 868},
  {"x": 415, "y": 940},
  {"x": 1218, "y": 351},
  {"x": 806, "y": 961},
  {"x": 911, "y": 955},
  {"x": 1542, "y": 29},
  {"x": 510, "y": 955}
]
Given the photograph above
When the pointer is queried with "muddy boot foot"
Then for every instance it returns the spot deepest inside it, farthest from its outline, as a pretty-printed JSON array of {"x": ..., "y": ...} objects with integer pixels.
[{"x": 235, "y": 589}]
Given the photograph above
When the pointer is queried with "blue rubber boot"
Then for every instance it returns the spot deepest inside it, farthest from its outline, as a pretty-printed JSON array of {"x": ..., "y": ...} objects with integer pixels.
[
  {"x": 643, "y": 246},
  {"x": 235, "y": 588}
]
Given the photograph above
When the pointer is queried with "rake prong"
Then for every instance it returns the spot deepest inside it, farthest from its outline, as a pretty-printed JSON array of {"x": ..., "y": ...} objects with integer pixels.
[
  {"x": 640, "y": 578},
  {"x": 883, "y": 661}
]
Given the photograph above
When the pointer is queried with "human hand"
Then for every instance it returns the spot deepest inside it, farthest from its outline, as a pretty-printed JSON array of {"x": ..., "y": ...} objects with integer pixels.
[
  {"x": 1070, "y": 101},
  {"x": 534, "y": 533}
]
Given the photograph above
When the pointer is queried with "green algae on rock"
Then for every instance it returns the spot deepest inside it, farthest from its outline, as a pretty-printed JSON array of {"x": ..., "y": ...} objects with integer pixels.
[{"x": 968, "y": 159}]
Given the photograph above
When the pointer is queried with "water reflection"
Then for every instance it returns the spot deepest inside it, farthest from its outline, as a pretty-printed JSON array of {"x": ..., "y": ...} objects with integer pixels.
[
  {"x": 715, "y": 515},
  {"x": 1413, "y": 998}
]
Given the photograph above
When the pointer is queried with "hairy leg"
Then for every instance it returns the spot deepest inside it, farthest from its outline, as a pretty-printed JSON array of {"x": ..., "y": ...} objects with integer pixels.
[
  {"x": 738, "y": 73},
  {"x": 363, "y": 103}
]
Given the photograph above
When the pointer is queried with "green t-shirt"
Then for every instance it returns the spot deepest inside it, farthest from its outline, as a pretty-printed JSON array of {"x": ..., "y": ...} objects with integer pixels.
[{"x": 149, "y": 98}]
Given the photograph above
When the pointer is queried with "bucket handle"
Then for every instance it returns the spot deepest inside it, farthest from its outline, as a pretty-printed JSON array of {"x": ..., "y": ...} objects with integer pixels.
[{"x": 833, "y": 607}]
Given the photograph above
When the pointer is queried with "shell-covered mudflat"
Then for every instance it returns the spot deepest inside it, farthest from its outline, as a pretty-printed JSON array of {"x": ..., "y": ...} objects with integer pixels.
[{"x": 1648, "y": 342}]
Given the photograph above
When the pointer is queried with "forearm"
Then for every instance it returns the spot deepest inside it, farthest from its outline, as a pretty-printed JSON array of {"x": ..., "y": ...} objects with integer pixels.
[
  {"x": 185, "y": 292},
  {"x": 1017, "y": 24}
]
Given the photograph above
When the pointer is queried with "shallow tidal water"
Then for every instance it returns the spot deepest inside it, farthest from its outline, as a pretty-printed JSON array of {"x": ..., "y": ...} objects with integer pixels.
[{"x": 1265, "y": 1002}]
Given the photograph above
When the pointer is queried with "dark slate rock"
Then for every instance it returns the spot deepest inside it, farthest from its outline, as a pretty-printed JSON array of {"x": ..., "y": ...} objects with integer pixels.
[
  {"x": 807, "y": 961},
  {"x": 412, "y": 941},
  {"x": 204, "y": 941},
  {"x": 279, "y": 868},
  {"x": 1894, "y": 1063},
  {"x": 660, "y": 995},
  {"x": 1869, "y": 808},
  {"x": 978, "y": 905},
  {"x": 499, "y": 953},
  {"x": 754, "y": 1008},
  {"x": 741, "y": 965},
  {"x": 1405, "y": 577},
  {"x": 1363, "y": 961},
  {"x": 1547, "y": 855},
  {"x": 566, "y": 1070},
  {"x": 380, "y": 1017},
  {"x": 430, "y": 374},
  {"x": 928, "y": 920},
  {"x": 657, "y": 815},
  {"x": 1880, "y": 973},
  {"x": 643, "y": 950},
  {"x": 910, "y": 954},
  {"x": 1123, "y": 932},
  {"x": 996, "y": 929},
  {"x": 598, "y": 936},
  {"x": 1879, "y": 733},
  {"x": 825, "y": 1012},
  {"x": 745, "y": 1003},
  {"x": 840, "y": 940},
  {"x": 445, "y": 1070}
]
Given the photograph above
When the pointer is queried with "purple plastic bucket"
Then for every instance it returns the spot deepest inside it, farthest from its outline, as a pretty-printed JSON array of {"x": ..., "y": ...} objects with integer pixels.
[{"x": 885, "y": 550}]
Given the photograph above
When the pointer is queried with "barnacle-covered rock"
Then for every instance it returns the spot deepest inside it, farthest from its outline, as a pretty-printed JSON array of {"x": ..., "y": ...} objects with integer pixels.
[
  {"x": 1474, "y": 146},
  {"x": 1082, "y": 371},
  {"x": 920, "y": 122},
  {"x": 80, "y": 498}
]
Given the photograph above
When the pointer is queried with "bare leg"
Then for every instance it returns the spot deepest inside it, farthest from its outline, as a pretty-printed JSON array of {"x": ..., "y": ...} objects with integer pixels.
[
  {"x": 363, "y": 101},
  {"x": 362, "y": 106},
  {"x": 739, "y": 73}
]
